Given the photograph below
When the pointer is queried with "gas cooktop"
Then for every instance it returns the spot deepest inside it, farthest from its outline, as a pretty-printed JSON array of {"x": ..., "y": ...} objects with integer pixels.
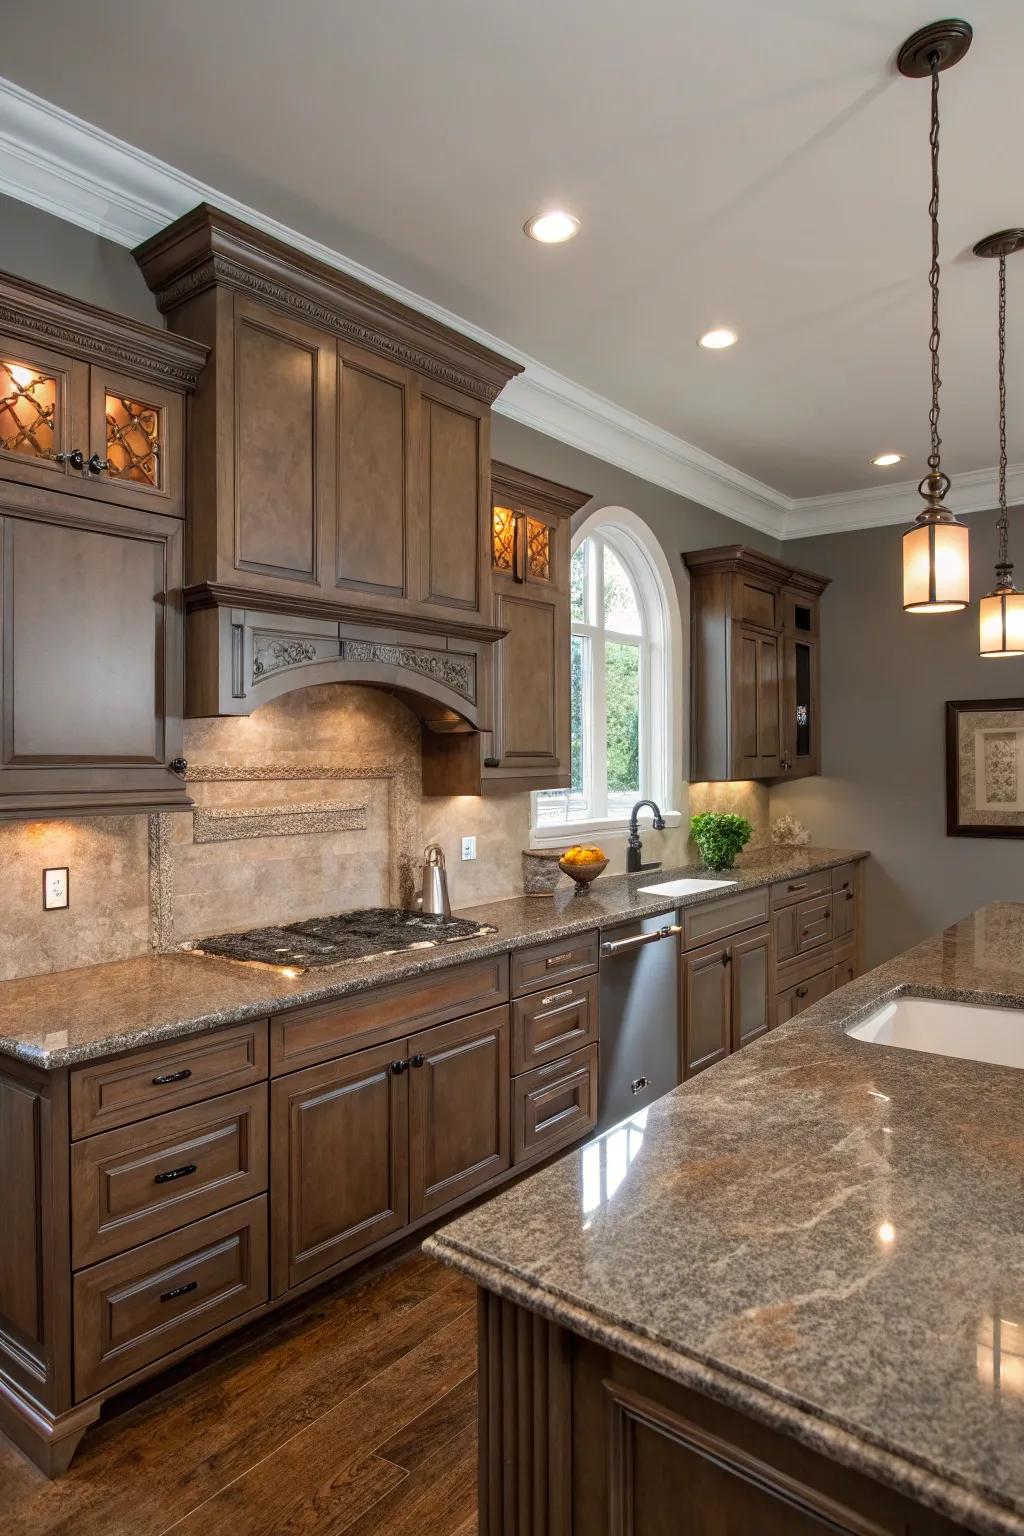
[{"x": 364, "y": 935}]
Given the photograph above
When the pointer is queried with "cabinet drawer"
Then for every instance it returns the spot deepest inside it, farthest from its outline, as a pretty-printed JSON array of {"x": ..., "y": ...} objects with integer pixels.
[
  {"x": 713, "y": 920},
  {"x": 165, "y": 1077},
  {"x": 548, "y": 1025},
  {"x": 138, "y": 1182},
  {"x": 309, "y": 1035},
  {"x": 801, "y": 888},
  {"x": 795, "y": 999},
  {"x": 562, "y": 960},
  {"x": 132, "y": 1310},
  {"x": 843, "y": 877},
  {"x": 803, "y": 927},
  {"x": 554, "y": 1105}
]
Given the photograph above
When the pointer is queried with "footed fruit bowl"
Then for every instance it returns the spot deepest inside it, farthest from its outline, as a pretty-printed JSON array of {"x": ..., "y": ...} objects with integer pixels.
[{"x": 583, "y": 865}]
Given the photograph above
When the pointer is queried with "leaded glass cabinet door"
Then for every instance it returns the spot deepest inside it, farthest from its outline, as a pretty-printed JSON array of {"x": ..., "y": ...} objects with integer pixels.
[
  {"x": 801, "y": 690},
  {"x": 136, "y": 442},
  {"x": 40, "y": 392}
]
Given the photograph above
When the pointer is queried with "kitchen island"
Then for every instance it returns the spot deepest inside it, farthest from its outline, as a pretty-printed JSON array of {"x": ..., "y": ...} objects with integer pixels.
[{"x": 788, "y": 1298}]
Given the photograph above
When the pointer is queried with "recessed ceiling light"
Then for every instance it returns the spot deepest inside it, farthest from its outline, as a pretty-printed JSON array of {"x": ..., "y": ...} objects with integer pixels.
[
  {"x": 552, "y": 228},
  {"x": 717, "y": 339},
  {"x": 884, "y": 460}
]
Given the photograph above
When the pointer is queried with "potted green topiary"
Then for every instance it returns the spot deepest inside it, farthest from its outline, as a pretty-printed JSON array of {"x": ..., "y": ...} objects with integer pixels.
[{"x": 720, "y": 836}]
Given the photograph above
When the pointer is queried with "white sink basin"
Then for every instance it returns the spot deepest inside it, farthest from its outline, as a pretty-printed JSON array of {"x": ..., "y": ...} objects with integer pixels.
[
  {"x": 684, "y": 887},
  {"x": 971, "y": 1031}
]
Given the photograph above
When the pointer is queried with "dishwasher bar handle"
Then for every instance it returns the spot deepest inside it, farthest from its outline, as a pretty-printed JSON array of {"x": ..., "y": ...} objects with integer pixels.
[{"x": 622, "y": 946}]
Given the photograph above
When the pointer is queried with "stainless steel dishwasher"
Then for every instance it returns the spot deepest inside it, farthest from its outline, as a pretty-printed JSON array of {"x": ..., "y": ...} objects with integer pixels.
[{"x": 640, "y": 1048}]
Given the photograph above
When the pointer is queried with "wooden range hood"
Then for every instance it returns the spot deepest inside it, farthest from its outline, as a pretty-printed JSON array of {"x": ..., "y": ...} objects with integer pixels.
[{"x": 338, "y": 481}]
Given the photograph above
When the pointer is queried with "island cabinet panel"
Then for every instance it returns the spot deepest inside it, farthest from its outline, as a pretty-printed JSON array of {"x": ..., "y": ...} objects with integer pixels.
[
  {"x": 459, "y": 1124},
  {"x": 650, "y": 1457},
  {"x": 339, "y": 1161}
]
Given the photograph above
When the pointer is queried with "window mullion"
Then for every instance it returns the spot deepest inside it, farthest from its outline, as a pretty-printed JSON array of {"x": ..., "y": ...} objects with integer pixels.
[{"x": 599, "y": 734}]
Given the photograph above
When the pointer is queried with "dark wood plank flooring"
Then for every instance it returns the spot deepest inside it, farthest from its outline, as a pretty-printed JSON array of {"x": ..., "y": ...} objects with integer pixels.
[{"x": 352, "y": 1414}]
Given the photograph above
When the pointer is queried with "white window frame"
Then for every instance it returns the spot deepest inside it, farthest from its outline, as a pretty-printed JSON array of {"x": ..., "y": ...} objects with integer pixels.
[{"x": 661, "y": 668}]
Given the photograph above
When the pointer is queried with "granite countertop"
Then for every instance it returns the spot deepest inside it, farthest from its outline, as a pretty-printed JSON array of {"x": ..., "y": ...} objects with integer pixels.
[
  {"x": 59, "y": 1019},
  {"x": 825, "y": 1233}
]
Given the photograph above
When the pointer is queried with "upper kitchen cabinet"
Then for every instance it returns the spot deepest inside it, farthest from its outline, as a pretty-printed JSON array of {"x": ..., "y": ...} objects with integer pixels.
[
  {"x": 91, "y": 533},
  {"x": 528, "y": 746},
  {"x": 755, "y": 666},
  {"x": 90, "y": 403},
  {"x": 339, "y": 457}
]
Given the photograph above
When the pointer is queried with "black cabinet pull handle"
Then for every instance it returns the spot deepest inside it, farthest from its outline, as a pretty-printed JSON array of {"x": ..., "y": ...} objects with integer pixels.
[
  {"x": 416, "y": 1061},
  {"x": 76, "y": 458},
  {"x": 175, "y": 1173},
  {"x": 801, "y": 991},
  {"x": 398, "y": 1067},
  {"x": 800, "y": 886},
  {"x": 172, "y": 1077},
  {"x": 180, "y": 1290},
  {"x": 849, "y": 895},
  {"x": 95, "y": 465}
]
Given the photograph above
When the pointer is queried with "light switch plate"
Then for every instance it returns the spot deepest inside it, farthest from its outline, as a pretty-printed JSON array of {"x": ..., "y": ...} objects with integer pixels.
[
  {"x": 55, "y": 889},
  {"x": 469, "y": 847}
]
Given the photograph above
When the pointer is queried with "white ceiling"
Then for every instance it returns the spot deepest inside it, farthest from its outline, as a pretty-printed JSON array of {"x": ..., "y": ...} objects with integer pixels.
[{"x": 731, "y": 162}]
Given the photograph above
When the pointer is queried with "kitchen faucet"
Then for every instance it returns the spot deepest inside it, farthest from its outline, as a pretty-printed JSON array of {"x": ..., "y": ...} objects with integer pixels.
[{"x": 634, "y": 847}]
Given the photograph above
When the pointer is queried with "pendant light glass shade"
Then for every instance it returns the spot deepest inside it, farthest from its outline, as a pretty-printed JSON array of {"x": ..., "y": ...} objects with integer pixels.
[
  {"x": 1002, "y": 622},
  {"x": 936, "y": 567}
]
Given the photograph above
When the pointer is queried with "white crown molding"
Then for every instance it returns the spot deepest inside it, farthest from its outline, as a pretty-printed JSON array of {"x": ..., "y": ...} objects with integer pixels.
[{"x": 69, "y": 168}]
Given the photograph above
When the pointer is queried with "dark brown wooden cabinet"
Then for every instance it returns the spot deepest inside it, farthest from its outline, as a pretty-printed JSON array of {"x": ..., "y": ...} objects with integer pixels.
[
  {"x": 750, "y": 977},
  {"x": 339, "y": 1161},
  {"x": 529, "y": 744},
  {"x": 755, "y": 666},
  {"x": 726, "y": 997},
  {"x": 90, "y": 557}
]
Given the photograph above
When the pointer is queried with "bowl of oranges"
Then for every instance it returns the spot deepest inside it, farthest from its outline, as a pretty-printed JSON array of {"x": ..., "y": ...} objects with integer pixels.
[{"x": 583, "y": 864}]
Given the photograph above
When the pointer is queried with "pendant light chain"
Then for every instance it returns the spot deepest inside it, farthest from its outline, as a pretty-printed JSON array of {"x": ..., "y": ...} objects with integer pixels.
[
  {"x": 1004, "y": 521},
  {"x": 933, "y": 276}
]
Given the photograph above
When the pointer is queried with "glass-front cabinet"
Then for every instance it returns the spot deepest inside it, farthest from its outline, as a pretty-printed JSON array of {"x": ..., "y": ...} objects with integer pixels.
[
  {"x": 525, "y": 546},
  {"x": 801, "y": 691},
  {"x": 84, "y": 428}
]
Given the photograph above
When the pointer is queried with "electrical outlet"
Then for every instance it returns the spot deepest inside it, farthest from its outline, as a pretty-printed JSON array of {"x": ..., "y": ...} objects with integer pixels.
[
  {"x": 55, "y": 889},
  {"x": 469, "y": 847}
]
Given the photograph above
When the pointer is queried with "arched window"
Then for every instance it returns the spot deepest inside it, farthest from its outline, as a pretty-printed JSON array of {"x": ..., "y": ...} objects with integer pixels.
[{"x": 623, "y": 720}]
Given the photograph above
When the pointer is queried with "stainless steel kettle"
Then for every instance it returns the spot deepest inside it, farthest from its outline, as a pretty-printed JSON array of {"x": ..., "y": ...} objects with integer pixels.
[{"x": 434, "y": 897}]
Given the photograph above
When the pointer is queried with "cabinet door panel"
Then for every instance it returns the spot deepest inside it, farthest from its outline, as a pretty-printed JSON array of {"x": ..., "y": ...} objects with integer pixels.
[
  {"x": 373, "y": 475},
  {"x": 339, "y": 1162},
  {"x": 459, "y": 1126},
  {"x": 84, "y": 644},
  {"x": 749, "y": 967},
  {"x": 42, "y": 395},
  {"x": 706, "y": 1007},
  {"x": 757, "y": 750},
  {"x": 284, "y": 443},
  {"x": 137, "y": 430},
  {"x": 801, "y": 693},
  {"x": 455, "y": 460},
  {"x": 533, "y": 669}
]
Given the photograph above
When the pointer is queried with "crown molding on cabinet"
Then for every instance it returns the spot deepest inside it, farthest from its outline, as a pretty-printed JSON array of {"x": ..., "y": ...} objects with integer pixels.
[{"x": 69, "y": 168}]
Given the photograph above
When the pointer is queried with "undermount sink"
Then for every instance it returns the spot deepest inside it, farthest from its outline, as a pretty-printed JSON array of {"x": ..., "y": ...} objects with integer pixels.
[
  {"x": 684, "y": 887},
  {"x": 972, "y": 1031}
]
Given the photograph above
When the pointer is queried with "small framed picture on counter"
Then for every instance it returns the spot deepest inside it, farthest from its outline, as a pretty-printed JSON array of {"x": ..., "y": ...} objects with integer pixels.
[{"x": 985, "y": 768}]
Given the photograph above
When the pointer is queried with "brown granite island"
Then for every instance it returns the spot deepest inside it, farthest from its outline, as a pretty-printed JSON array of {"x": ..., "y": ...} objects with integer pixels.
[
  {"x": 189, "y": 1142},
  {"x": 787, "y": 1298}
]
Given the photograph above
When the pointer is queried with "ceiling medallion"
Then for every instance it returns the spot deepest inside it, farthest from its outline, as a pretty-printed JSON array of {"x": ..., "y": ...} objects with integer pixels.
[{"x": 936, "y": 567}]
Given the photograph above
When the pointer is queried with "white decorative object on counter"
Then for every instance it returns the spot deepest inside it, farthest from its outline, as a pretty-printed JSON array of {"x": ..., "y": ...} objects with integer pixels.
[{"x": 789, "y": 832}]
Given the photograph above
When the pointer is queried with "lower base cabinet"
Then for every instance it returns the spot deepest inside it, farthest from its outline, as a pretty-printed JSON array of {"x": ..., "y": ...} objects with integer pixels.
[
  {"x": 365, "y": 1145},
  {"x": 726, "y": 991}
]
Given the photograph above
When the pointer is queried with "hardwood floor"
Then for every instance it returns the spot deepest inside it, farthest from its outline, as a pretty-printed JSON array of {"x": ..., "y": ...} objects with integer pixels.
[{"x": 353, "y": 1414}]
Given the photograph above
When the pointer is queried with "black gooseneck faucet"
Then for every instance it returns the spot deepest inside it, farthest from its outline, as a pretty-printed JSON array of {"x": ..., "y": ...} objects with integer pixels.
[{"x": 634, "y": 847}]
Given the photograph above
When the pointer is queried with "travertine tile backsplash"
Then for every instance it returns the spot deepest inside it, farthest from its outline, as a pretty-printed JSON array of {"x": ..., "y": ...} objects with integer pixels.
[{"x": 310, "y": 805}]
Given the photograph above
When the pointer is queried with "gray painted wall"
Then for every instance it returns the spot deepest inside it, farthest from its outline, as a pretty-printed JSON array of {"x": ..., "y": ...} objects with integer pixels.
[
  {"x": 60, "y": 255},
  {"x": 886, "y": 676}
]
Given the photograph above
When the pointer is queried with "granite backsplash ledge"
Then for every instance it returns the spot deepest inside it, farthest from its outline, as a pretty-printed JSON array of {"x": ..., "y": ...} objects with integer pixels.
[
  {"x": 824, "y": 1233},
  {"x": 56, "y": 1020}
]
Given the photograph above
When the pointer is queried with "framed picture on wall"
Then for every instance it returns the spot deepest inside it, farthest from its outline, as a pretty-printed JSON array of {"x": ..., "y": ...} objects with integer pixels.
[{"x": 985, "y": 768}]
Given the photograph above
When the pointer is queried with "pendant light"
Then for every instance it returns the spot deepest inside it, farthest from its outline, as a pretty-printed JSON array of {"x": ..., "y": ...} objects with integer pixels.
[
  {"x": 1002, "y": 610},
  {"x": 936, "y": 571}
]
